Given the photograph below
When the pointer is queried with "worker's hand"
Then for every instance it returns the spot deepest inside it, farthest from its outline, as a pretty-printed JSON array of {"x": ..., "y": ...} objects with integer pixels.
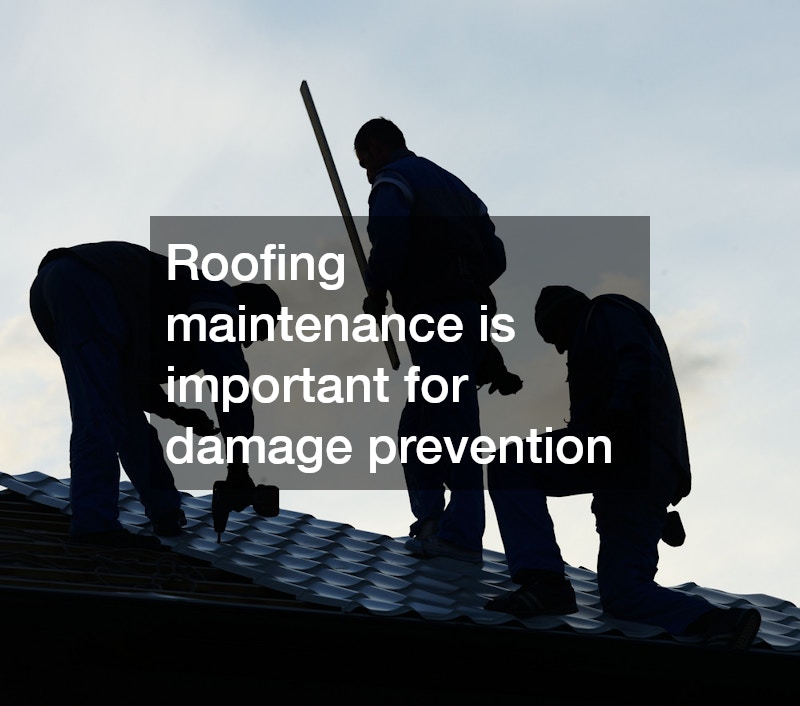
[
  {"x": 375, "y": 305},
  {"x": 197, "y": 419},
  {"x": 506, "y": 384}
]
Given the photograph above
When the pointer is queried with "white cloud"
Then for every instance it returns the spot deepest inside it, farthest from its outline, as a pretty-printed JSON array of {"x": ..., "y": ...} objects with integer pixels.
[
  {"x": 34, "y": 417},
  {"x": 705, "y": 352}
]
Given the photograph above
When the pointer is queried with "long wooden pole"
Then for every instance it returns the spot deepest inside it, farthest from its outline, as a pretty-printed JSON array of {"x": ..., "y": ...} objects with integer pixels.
[{"x": 349, "y": 223}]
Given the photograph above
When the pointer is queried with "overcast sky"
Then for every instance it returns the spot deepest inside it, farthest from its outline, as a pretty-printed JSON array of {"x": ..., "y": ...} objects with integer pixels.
[{"x": 681, "y": 111}]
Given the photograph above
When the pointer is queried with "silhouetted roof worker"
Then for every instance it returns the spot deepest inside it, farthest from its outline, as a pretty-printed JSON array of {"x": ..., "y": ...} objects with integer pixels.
[
  {"x": 435, "y": 251},
  {"x": 621, "y": 385},
  {"x": 103, "y": 308}
]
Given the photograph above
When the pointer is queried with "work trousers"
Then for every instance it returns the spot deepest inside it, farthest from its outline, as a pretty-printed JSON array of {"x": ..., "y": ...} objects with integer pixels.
[
  {"x": 77, "y": 314},
  {"x": 461, "y": 517},
  {"x": 630, "y": 508}
]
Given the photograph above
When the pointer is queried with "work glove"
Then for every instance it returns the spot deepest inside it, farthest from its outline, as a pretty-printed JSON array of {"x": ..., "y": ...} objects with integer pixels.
[
  {"x": 197, "y": 419},
  {"x": 375, "y": 305},
  {"x": 506, "y": 383}
]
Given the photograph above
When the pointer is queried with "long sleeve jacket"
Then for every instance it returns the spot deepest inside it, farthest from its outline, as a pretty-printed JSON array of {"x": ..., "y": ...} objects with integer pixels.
[
  {"x": 146, "y": 297},
  {"x": 618, "y": 364},
  {"x": 431, "y": 237}
]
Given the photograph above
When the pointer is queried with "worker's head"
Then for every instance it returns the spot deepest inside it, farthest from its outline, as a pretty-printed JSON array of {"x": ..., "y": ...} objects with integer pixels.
[
  {"x": 557, "y": 312},
  {"x": 376, "y": 141},
  {"x": 258, "y": 299}
]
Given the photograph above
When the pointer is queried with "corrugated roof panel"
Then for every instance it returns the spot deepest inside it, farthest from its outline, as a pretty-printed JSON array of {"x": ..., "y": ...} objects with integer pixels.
[{"x": 336, "y": 565}]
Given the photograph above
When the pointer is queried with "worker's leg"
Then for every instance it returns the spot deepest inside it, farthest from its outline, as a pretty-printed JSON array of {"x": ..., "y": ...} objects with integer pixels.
[
  {"x": 519, "y": 489},
  {"x": 76, "y": 311},
  {"x": 142, "y": 457},
  {"x": 630, "y": 524},
  {"x": 455, "y": 416},
  {"x": 425, "y": 484}
]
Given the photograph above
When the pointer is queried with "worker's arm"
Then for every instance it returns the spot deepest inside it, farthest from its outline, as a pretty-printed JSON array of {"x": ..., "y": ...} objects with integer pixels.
[
  {"x": 388, "y": 230},
  {"x": 493, "y": 371},
  {"x": 157, "y": 403}
]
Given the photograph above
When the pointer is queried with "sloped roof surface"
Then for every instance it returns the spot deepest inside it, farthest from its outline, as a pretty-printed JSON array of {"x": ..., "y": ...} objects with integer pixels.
[{"x": 336, "y": 566}]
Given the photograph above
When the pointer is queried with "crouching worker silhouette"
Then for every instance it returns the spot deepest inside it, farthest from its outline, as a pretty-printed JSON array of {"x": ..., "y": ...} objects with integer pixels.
[
  {"x": 103, "y": 308},
  {"x": 622, "y": 386}
]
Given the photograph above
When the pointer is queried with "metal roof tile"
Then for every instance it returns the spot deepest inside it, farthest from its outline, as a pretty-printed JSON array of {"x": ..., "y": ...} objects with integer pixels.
[
  {"x": 386, "y": 581},
  {"x": 390, "y": 568},
  {"x": 335, "y": 594},
  {"x": 379, "y": 607},
  {"x": 293, "y": 562},
  {"x": 283, "y": 576},
  {"x": 385, "y": 595},
  {"x": 350, "y": 555},
  {"x": 336, "y": 565}
]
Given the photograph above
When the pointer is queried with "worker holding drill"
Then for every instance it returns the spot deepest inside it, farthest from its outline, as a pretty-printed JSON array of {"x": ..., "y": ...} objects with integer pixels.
[{"x": 102, "y": 307}]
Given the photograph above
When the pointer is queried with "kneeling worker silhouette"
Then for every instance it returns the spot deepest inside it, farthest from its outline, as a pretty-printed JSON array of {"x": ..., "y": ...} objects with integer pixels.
[
  {"x": 622, "y": 386},
  {"x": 103, "y": 308}
]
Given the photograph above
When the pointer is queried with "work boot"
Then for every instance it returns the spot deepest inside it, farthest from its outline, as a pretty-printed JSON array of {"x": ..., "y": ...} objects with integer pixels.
[
  {"x": 424, "y": 529},
  {"x": 434, "y": 546},
  {"x": 170, "y": 524},
  {"x": 731, "y": 628},
  {"x": 548, "y": 593}
]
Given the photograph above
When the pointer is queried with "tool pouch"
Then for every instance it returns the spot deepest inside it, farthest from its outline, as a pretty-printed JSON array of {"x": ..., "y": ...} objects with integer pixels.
[{"x": 673, "y": 532}]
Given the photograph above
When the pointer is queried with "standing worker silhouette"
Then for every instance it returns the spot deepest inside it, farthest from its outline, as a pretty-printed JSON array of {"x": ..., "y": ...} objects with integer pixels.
[
  {"x": 103, "y": 308},
  {"x": 621, "y": 386},
  {"x": 435, "y": 251}
]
